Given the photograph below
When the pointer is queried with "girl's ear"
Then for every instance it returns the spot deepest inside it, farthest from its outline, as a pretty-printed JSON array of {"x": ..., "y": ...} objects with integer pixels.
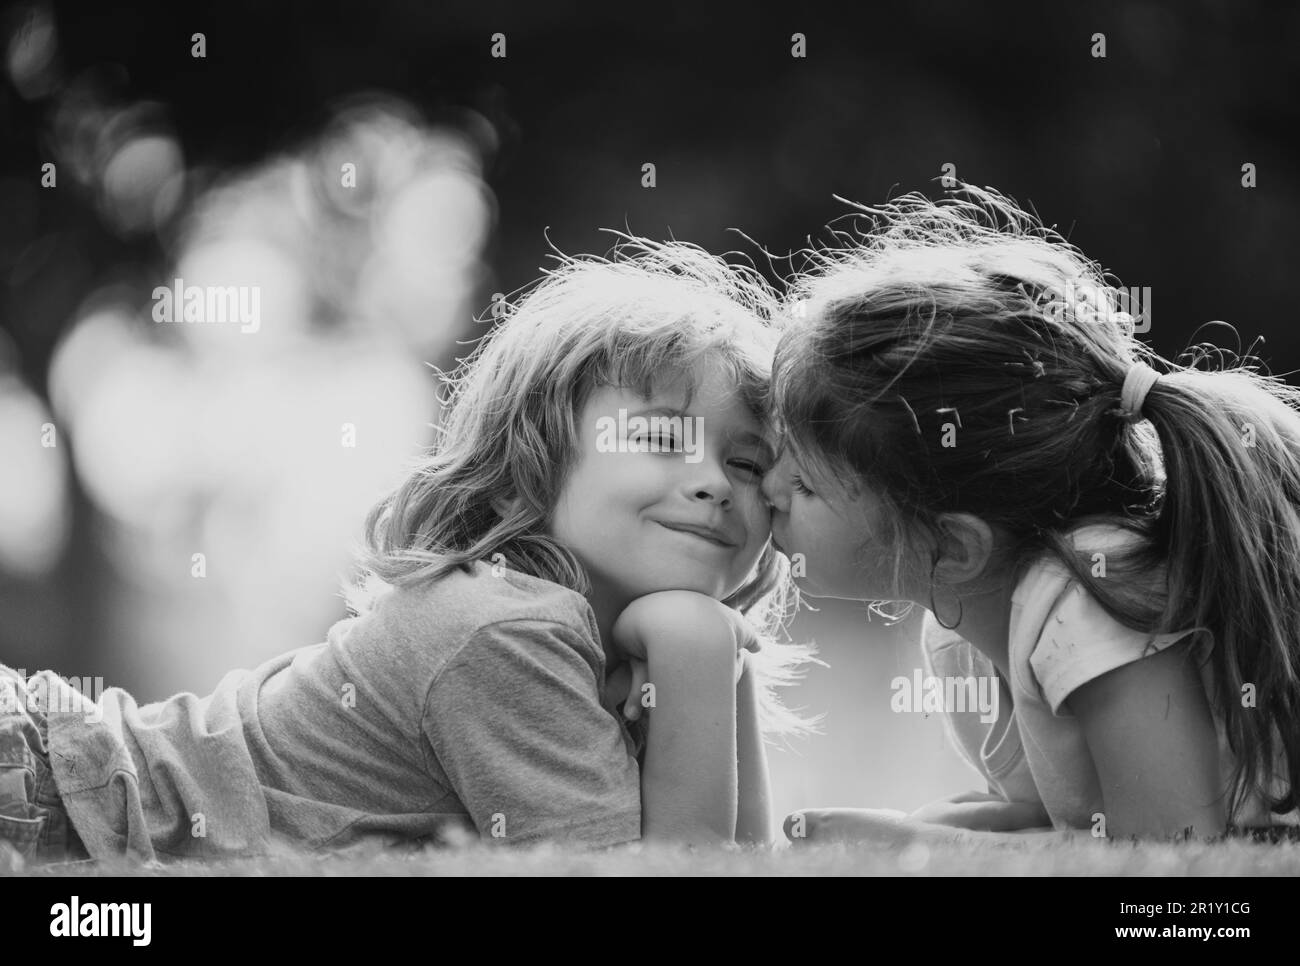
[
  {"x": 966, "y": 543},
  {"x": 505, "y": 508}
]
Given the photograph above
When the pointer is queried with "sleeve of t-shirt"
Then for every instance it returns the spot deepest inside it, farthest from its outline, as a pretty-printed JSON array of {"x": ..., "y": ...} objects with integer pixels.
[
  {"x": 1080, "y": 641},
  {"x": 517, "y": 725},
  {"x": 946, "y": 653}
]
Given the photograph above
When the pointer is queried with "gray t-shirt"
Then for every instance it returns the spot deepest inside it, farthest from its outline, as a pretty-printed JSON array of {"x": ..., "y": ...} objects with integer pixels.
[{"x": 474, "y": 700}]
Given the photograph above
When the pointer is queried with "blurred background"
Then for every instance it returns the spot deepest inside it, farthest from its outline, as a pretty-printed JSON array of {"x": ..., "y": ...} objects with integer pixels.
[{"x": 134, "y": 153}]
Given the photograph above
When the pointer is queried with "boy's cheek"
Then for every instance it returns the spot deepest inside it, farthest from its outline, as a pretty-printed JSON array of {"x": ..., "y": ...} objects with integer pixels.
[
  {"x": 756, "y": 541},
  {"x": 758, "y": 513}
]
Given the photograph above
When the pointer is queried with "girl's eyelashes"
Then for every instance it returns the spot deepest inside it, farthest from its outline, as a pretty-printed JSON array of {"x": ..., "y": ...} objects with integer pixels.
[{"x": 797, "y": 484}]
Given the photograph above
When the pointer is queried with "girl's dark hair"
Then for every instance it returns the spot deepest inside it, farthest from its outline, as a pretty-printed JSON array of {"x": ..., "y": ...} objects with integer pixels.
[{"x": 965, "y": 322}]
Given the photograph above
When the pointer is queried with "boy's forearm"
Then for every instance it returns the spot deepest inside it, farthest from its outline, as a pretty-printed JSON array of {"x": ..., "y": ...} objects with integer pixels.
[
  {"x": 688, "y": 782},
  {"x": 754, "y": 814}
]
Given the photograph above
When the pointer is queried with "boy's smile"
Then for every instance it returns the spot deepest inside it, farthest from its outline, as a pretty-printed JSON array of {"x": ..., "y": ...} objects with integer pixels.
[
  {"x": 641, "y": 517},
  {"x": 714, "y": 535}
]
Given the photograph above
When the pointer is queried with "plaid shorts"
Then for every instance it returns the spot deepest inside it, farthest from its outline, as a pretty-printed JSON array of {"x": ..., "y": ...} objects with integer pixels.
[{"x": 33, "y": 821}]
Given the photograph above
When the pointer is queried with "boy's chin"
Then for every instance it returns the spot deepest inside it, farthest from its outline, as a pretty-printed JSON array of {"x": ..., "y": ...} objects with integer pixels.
[
  {"x": 688, "y": 574},
  {"x": 681, "y": 580},
  {"x": 704, "y": 589}
]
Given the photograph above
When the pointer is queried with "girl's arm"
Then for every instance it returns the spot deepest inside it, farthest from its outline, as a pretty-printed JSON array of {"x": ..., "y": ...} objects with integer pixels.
[
  {"x": 689, "y": 779},
  {"x": 882, "y": 826},
  {"x": 754, "y": 818},
  {"x": 983, "y": 811},
  {"x": 1152, "y": 738}
]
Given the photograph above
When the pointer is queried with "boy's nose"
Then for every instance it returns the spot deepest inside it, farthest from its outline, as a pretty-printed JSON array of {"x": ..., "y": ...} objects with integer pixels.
[
  {"x": 708, "y": 483},
  {"x": 714, "y": 494}
]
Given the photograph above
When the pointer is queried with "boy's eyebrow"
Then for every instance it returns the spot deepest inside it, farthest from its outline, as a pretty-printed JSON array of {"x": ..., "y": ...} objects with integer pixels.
[
  {"x": 752, "y": 439},
  {"x": 660, "y": 411}
]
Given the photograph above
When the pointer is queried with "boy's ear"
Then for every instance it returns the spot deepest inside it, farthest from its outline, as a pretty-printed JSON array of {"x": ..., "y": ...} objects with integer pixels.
[{"x": 966, "y": 543}]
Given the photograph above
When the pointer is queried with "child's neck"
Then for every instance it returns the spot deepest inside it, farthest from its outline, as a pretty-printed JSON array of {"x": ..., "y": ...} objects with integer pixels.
[
  {"x": 618, "y": 679},
  {"x": 606, "y": 606},
  {"x": 986, "y": 623}
]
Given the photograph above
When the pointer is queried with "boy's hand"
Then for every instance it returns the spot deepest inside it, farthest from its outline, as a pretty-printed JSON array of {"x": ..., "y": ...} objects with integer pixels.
[
  {"x": 668, "y": 617},
  {"x": 644, "y": 619}
]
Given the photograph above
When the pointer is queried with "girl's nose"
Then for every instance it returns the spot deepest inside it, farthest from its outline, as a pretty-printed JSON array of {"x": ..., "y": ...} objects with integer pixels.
[{"x": 774, "y": 488}]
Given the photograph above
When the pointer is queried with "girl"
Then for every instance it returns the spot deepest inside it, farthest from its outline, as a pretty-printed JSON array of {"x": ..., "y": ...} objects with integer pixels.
[
  {"x": 555, "y": 537},
  {"x": 1112, "y": 538}
]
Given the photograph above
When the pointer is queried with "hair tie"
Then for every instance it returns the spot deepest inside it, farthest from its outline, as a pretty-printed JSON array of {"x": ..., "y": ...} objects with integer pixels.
[{"x": 1137, "y": 383}]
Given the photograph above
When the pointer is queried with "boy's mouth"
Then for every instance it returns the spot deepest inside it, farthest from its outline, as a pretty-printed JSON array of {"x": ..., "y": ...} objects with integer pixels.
[{"x": 715, "y": 537}]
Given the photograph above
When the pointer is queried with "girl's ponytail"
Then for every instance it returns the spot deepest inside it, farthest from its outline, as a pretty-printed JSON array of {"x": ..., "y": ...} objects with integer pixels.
[{"x": 1231, "y": 454}]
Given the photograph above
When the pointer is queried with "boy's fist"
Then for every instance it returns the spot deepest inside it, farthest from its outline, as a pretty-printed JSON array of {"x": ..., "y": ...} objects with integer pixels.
[{"x": 680, "y": 624}]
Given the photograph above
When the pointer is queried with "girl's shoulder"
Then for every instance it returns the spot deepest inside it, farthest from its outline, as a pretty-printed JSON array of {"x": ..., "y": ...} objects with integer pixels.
[
  {"x": 1062, "y": 635},
  {"x": 1108, "y": 552}
]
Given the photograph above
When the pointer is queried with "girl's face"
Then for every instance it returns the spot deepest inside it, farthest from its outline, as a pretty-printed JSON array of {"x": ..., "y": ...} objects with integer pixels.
[
  {"x": 835, "y": 543},
  {"x": 656, "y": 503}
]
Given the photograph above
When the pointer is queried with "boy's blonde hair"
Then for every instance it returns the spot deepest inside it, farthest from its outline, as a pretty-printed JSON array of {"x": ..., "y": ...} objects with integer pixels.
[{"x": 508, "y": 433}]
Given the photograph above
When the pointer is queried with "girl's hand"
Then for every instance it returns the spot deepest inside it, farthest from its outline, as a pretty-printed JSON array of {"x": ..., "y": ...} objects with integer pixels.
[
  {"x": 850, "y": 826},
  {"x": 644, "y": 620},
  {"x": 891, "y": 828},
  {"x": 984, "y": 812}
]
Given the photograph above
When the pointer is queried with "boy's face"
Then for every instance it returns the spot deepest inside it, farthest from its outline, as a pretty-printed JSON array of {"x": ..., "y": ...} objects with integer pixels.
[
  {"x": 653, "y": 506},
  {"x": 833, "y": 539}
]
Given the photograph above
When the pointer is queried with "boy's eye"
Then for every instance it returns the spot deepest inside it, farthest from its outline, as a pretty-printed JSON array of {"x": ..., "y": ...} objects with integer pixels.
[
  {"x": 749, "y": 466},
  {"x": 657, "y": 443}
]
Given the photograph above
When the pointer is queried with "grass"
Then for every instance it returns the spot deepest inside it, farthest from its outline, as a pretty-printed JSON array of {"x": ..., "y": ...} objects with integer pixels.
[{"x": 1229, "y": 858}]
